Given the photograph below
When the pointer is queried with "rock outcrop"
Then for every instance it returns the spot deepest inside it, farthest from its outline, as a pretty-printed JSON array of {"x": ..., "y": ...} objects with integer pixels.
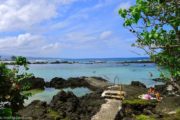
[
  {"x": 37, "y": 110},
  {"x": 138, "y": 84},
  {"x": 65, "y": 105},
  {"x": 92, "y": 83},
  {"x": 33, "y": 83}
]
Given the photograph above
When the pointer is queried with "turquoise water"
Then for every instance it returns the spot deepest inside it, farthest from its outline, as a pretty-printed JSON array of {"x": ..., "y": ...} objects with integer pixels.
[
  {"x": 123, "y": 74},
  {"x": 48, "y": 94},
  {"x": 113, "y": 72}
]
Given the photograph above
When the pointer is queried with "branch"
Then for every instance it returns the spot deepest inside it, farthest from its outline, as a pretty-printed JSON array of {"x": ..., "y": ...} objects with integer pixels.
[{"x": 170, "y": 46}]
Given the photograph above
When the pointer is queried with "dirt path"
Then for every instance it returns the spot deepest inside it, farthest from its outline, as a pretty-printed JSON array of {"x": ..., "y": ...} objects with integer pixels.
[{"x": 108, "y": 110}]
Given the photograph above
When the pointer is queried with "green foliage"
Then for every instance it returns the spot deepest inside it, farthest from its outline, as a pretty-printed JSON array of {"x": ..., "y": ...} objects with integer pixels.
[
  {"x": 139, "y": 102},
  {"x": 10, "y": 90},
  {"x": 32, "y": 92},
  {"x": 6, "y": 112},
  {"x": 144, "y": 117},
  {"x": 22, "y": 61},
  {"x": 178, "y": 111},
  {"x": 53, "y": 114},
  {"x": 156, "y": 24}
]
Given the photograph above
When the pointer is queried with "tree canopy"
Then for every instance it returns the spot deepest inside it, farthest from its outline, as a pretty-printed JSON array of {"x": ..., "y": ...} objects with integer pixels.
[{"x": 156, "y": 24}]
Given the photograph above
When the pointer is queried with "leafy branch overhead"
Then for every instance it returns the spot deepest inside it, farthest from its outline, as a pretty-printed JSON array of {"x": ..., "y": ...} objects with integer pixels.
[{"x": 156, "y": 24}]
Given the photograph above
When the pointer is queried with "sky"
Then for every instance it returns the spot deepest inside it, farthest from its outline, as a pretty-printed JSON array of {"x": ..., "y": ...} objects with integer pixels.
[{"x": 65, "y": 29}]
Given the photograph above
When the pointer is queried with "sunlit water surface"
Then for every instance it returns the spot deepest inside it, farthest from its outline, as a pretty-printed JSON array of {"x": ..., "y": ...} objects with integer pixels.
[{"x": 113, "y": 72}]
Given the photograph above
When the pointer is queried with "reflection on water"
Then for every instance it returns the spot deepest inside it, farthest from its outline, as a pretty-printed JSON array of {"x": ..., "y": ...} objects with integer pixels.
[{"x": 48, "y": 94}]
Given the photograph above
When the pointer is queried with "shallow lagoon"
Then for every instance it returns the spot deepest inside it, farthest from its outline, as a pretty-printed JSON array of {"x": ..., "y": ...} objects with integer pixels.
[
  {"x": 48, "y": 94},
  {"x": 113, "y": 72}
]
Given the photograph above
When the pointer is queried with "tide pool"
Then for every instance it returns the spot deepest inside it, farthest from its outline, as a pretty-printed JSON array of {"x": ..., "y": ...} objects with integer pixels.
[{"x": 48, "y": 94}]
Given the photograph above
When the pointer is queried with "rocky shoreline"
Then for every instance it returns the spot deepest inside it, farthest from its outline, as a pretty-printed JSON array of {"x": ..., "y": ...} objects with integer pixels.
[
  {"x": 67, "y": 106},
  {"x": 93, "y": 83},
  {"x": 134, "y": 108}
]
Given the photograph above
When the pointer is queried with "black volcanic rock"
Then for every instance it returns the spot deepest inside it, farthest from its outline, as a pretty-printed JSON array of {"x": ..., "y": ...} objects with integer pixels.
[
  {"x": 75, "y": 108},
  {"x": 66, "y": 103},
  {"x": 158, "y": 80},
  {"x": 138, "y": 84},
  {"x": 39, "y": 110},
  {"x": 33, "y": 83},
  {"x": 77, "y": 82},
  {"x": 61, "y": 62},
  {"x": 135, "y": 107},
  {"x": 57, "y": 83},
  {"x": 36, "y": 110},
  {"x": 74, "y": 82},
  {"x": 161, "y": 88}
]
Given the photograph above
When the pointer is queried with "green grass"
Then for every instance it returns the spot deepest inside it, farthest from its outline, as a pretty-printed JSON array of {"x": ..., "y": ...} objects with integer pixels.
[
  {"x": 139, "y": 102},
  {"x": 178, "y": 111},
  {"x": 53, "y": 114},
  {"x": 144, "y": 117},
  {"x": 33, "y": 92}
]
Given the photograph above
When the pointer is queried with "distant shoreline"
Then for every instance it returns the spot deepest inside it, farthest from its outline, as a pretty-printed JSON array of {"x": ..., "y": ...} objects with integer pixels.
[{"x": 76, "y": 62}]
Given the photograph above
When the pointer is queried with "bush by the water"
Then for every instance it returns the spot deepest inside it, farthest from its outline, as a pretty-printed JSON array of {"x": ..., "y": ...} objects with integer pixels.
[{"x": 11, "y": 98}]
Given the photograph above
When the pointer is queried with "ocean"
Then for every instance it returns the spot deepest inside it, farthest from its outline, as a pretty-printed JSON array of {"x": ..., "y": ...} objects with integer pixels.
[{"x": 111, "y": 69}]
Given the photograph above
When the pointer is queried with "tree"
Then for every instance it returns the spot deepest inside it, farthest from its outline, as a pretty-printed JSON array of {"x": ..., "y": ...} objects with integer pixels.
[
  {"x": 156, "y": 25},
  {"x": 10, "y": 91}
]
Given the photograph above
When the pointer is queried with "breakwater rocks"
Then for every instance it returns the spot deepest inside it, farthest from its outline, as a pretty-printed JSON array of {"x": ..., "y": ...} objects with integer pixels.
[
  {"x": 93, "y": 83},
  {"x": 138, "y": 84},
  {"x": 33, "y": 83},
  {"x": 126, "y": 63},
  {"x": 140, "y": 61},
  {"x": 65, "y": 106}
]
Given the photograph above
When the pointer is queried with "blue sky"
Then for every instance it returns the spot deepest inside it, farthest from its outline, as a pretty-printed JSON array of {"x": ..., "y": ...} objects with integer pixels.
[{"x": 65, "y": 29}]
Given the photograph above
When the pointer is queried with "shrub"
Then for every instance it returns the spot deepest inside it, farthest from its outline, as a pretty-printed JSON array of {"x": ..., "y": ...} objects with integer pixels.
[{"x": 10, "y": 91}]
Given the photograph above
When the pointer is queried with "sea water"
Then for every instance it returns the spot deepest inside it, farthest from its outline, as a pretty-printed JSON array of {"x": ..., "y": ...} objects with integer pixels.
[
  {"x": 114, "y": 73},
  {"x": 110, "y": 69}
]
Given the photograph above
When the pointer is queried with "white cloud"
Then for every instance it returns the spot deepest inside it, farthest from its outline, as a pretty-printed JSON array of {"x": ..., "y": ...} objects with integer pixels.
[
  {"x": 79, "y": 37},
  {"x": 64, "y": 2},
  {"x": 22, "y": 14},
  {"x": 27, "y": 44},
  {"x": 52, "y": 46},
  {"x": 81, "y": 15},
  {"x": 105, "y": 35},
  {"x": 22, "y": 41}
]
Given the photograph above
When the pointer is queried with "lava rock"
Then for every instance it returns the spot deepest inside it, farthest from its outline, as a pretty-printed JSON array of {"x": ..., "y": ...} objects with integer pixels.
[
  {"x": 57, "y": 83},
  {"x": 35, "y": 111},
  {"x": 33, "y": 83},
  {"x": 75, "y": 82},
  {"x": 74, "y": 108},
  {"x": 138, "y": 84}
]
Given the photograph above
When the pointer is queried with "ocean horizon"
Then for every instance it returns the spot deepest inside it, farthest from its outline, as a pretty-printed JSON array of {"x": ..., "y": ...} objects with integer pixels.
[{"x": 108, "y": 68}]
